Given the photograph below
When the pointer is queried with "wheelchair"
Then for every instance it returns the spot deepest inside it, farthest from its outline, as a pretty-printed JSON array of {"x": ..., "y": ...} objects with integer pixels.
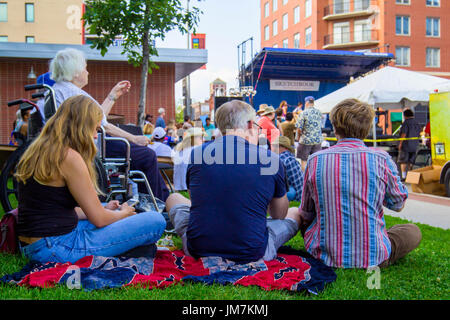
[{"x": 115, "y": 179}]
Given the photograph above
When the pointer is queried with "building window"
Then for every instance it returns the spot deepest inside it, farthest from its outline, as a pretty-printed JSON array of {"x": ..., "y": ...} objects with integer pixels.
[
  {"x": 285, "y": 21},
  {"x": 285, "y": 43},
  {"x": 266, "y": 33},
  {"x": 3, "y": 38},
  {"x": 285, "y": 2},
  {"x": 362, "y": 30},
  {"x": 341, "y": 6},
  {"x": 3, "y": 12},
  {"x": 275, "y": 46},
  {"x": 433, "y": 27},
  {"x": 361, "y": 5},
  {"x": 29, "y": 39},
  {"x": 296, "y": 14},
  {"x": 433, "y": 57},
  {"x": 274, "y": 28},
  {"x": 274, "y": 5},
  {"x": 433, "y": 3},
  {"x": 297, "y": 41},
  {"x": 402, "y": 1},
  {"x": 308, "y": 8},
  {"x": 341, "y": 32},
  {"x": 402, "y": 56},
  {"x": 308, "y": 36},
  {"x": 266, "y": 9},
  {"x": 402, "y": 25},
  {"x": 29, "y": 12}
]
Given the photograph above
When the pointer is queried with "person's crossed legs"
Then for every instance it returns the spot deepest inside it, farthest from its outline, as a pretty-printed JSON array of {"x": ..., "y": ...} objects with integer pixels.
[{"x": 280, "y": 230}]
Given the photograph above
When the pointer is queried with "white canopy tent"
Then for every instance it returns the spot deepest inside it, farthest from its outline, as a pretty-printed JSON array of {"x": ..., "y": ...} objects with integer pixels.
[{"x": 387, "y": 88}]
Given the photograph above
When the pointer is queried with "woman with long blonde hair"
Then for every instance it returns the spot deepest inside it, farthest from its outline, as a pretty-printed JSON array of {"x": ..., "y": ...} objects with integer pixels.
[{"x": 60, "y": 215}]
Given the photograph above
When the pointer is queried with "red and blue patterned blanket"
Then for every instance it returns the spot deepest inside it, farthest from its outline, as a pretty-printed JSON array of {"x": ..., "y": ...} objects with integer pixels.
[{"x": 293, "y": 271}]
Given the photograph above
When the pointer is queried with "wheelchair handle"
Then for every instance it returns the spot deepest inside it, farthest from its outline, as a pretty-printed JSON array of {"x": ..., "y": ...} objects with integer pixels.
[
  {"x": 38, "y": 95},
  {"x": 37, "y": 86},
  {"x": 29, "y": 87},
  {"x": 19, "y": 101},
  {"x": 15, "y": 102}
]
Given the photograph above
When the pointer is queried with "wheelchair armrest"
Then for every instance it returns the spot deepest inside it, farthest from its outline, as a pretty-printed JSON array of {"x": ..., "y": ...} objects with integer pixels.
[{"x": 104, "y": 138}]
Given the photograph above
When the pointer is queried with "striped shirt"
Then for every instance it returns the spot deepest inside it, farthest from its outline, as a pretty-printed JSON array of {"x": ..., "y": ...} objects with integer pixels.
[{"x": 345, "y": 189}]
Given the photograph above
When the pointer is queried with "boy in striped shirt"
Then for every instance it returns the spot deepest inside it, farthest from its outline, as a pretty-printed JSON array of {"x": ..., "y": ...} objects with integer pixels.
[{"x": 345, "y": 189}]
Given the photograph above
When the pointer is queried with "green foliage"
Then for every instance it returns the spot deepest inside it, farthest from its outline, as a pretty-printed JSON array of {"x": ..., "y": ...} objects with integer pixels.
[
  {"x": 179, "y": 114},
  {"x": 139, "y": 22}
]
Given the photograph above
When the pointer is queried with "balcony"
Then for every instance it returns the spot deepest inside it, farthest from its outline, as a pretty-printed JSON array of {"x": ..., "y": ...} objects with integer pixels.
[
  {"x": 342, "y": 9},
  {"x": 343, "y": 40}
]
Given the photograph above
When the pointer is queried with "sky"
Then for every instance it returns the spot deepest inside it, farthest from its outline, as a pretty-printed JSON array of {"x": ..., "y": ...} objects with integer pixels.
[{"x": 226, "y": 23}]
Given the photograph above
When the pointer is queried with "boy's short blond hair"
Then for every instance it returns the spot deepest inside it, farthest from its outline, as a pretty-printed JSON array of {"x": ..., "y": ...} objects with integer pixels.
[{"x": 352, "y": 118}]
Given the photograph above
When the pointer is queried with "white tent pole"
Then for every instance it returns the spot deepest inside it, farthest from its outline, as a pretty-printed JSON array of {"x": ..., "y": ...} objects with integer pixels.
[{"x": 374, "y": 128}]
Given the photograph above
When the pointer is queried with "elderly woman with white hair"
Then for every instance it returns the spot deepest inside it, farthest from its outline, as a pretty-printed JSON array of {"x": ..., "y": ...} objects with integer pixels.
[{"x": 69, "y": 70}]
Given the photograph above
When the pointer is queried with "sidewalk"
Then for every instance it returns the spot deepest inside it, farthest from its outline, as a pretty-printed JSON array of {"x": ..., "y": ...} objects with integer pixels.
[{"x": 426, "y": 209}]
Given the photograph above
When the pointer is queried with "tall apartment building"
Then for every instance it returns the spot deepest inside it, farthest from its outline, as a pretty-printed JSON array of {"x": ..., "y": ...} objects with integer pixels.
[
  {"x": 413, "y": 30},
  {"x": 41, "y": 21}
]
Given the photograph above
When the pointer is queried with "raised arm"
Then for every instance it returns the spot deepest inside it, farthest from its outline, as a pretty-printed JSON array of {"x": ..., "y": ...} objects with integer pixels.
[{"x": 116, "y": 92}]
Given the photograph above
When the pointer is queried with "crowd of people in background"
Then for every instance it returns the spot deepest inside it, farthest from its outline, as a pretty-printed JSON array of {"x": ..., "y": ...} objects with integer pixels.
[{"x": 341, "y": 189}]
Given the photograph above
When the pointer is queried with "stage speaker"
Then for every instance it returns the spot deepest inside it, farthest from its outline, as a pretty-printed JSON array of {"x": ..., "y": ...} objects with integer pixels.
[{"x": 218, "y": 101}]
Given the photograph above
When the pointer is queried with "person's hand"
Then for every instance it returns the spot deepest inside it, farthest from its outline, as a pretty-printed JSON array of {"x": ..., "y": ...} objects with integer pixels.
[
  {"x": 141, "y": 140},
  {"x": 112, "y": 205},
  {"x": 127, "y": 210},
  {"x": 119, "y": 89}
]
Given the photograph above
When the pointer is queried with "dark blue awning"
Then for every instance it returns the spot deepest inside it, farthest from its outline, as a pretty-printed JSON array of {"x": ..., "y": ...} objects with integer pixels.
[{"x": 323, "y": 65}]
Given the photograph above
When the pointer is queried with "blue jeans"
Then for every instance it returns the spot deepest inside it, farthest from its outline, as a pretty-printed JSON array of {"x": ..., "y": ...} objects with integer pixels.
[{"x": 86, "y": 239}]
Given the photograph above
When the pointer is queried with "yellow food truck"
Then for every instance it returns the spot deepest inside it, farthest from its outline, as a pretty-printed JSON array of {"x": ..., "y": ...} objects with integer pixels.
[{"x": 435, "y": 179}]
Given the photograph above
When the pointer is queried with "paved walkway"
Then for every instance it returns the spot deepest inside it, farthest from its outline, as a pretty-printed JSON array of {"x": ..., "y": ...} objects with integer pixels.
[{"x": 426, "y": 209}]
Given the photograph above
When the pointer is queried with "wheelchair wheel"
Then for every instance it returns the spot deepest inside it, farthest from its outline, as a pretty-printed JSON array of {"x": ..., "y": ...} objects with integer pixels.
[
  {"x": 102, "y": 178},
  {"x": 8, "y": 184}
]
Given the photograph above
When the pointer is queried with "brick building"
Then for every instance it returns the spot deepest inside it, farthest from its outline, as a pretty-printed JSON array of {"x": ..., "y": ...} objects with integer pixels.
[
  {"x": 18, "y": 59},
  {"x": 413, "y": 30}
]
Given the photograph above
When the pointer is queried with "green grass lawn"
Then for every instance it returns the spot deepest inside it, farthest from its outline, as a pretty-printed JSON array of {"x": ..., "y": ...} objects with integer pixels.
[{"x": 423, "y": 274}]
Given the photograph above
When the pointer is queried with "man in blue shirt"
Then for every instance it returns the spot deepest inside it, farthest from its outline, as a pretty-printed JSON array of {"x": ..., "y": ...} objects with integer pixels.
[
  {"x": 160, "y": 121},
  {"x": 233, "y": 184}
]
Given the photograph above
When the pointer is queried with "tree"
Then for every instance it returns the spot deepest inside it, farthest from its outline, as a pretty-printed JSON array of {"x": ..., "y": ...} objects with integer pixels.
[{"x": 139, "y": 22}]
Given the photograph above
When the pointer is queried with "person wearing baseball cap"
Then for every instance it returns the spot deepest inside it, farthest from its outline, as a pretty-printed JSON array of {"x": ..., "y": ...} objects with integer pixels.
[
  {"x": 282, "y": 146},
  {"x": 309, "y": 129},
  {"x": 309, "y": 99},
  {"x": 161, "y": 149}
]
